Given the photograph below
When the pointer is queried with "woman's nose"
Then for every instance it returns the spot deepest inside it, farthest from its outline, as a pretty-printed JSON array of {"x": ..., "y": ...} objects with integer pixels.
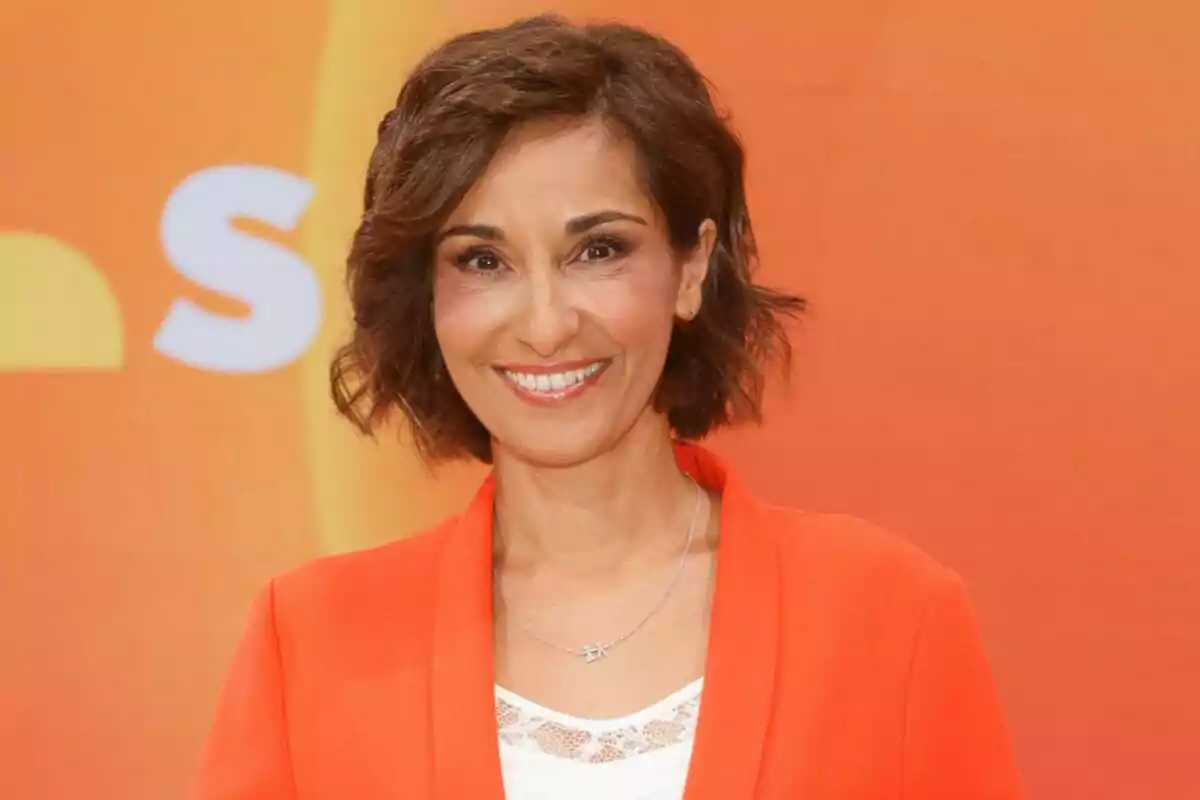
[{"x": 550, "y": 319}]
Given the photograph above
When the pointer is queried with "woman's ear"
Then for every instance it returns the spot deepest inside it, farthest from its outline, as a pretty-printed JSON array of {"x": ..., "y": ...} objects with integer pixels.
[{"x": 694, "y": 271}]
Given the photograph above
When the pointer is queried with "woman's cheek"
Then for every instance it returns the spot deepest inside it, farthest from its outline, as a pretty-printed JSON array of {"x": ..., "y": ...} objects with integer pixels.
[
  {"x": 467, "y": 310},
  {"x": 633, "y": 305},
  {"x": 452, "y": 304}
]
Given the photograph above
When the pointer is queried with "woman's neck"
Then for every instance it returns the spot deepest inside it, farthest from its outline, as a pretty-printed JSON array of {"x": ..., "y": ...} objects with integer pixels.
[{"x": 592, "y": 518}]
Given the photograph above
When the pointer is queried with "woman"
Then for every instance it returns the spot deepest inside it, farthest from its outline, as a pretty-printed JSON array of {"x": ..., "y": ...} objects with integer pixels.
[{"x": 552, "y": 275}]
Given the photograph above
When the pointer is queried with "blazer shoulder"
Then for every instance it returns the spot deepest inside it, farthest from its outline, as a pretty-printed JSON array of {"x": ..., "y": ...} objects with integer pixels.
[
  {"x": 854, "y": 550},
  {"x": 329, "y": 587}
]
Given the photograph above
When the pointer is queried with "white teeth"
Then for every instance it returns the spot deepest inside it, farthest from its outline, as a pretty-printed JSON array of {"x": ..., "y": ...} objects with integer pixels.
[{"x": 552, "y": 382}]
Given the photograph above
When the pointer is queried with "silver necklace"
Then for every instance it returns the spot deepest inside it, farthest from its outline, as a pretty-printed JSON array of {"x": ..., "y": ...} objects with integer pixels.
[{"x": 592, "y": 653}]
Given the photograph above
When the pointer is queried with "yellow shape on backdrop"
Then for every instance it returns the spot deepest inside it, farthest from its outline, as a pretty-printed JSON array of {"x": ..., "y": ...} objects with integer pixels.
[
  {"x": 57, "y": 310},
  {"x": 364, "y": 492}
]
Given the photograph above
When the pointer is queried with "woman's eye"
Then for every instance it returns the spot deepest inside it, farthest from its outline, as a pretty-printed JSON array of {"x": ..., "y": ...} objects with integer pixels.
[
  {"x": 479, "y": 262},
  {"x": 596, "y": 252},
  {"x": 600, "y": 251}
]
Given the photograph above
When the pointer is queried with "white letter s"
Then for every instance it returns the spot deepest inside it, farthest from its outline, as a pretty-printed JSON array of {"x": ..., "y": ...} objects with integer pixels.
[{"x": 282, "y": 292}]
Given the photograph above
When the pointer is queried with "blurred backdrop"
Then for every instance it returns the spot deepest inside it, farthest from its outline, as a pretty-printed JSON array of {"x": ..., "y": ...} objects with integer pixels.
[{"x": 993, "y": 207}]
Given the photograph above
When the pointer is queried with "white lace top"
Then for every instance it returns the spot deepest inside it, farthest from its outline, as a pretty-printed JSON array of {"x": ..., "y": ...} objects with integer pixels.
[{"x": 547, "y": 755}]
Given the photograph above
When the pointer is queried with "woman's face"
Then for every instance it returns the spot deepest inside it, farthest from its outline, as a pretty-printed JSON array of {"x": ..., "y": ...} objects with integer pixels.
[{"x": 556, "y": 290}]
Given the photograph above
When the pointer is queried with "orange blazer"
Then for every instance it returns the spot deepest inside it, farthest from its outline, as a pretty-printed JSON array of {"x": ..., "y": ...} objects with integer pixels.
[{"x": 842, "y": 663}]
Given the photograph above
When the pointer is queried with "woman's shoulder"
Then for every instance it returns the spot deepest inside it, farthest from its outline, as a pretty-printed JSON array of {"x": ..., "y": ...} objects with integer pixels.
[
  {"x": 398, "y": 572},
  {"x": 851, "y": 553}
]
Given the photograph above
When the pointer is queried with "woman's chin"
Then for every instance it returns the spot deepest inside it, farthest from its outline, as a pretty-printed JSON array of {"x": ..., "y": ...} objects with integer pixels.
[
  {"x": 553, "y": 447},
  {"x": 545, "y": 452}
]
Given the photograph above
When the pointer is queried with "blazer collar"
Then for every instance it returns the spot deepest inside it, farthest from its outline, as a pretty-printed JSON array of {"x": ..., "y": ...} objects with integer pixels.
[{"x": 736, "y": 703}]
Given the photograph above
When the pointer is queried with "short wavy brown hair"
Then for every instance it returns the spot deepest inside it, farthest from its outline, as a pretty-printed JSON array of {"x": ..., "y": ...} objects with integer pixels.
[{"x": 450, "y": 119}]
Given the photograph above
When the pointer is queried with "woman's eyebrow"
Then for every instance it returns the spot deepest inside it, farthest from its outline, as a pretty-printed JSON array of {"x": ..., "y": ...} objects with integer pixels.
[
  {"x": 587, "y": 221},
  {"x": 488, "y": 232},
  {"x": 574, "y": 226}
]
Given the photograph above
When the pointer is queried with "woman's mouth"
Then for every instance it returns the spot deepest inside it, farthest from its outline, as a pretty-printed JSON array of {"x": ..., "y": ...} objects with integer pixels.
[{"x": 551, "y": 384}]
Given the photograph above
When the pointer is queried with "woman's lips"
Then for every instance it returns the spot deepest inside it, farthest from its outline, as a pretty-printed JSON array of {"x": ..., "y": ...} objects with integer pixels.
[{"x": 552, "y": 384}]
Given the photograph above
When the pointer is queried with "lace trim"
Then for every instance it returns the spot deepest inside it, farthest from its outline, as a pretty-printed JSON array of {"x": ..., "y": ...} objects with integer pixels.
[{"x": 527, "y": 726}]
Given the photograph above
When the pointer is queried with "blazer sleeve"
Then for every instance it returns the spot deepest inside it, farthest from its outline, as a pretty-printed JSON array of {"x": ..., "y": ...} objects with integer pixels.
[
  {"x": 955, "y": 741},
  {"x": 247, "y": 756}
]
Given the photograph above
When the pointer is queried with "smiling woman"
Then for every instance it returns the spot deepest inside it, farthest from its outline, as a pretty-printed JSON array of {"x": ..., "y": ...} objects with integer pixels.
[
  {"x": 592, "y": 156},
  {"x": 553, "y": 275},
  {"x": 571, "y": 299}
]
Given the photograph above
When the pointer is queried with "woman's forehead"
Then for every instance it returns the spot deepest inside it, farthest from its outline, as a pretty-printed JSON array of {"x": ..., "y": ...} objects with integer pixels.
[{"x": 557, "y": 168}]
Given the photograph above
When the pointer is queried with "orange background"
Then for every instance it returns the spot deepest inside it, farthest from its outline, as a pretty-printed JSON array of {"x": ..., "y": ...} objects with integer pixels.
[{"x": 993, "y": 207}]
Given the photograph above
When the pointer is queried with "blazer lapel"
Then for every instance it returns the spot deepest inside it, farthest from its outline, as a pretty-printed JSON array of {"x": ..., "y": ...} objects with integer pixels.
[
  {"x": 466, "y": 756},
  {"x": 739, "y": 682}
]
